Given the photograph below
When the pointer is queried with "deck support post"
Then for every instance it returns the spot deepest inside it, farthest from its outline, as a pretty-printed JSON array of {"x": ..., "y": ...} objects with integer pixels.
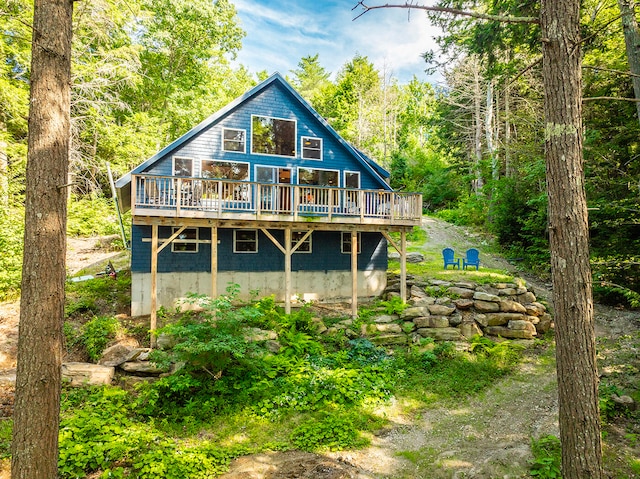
[
  {"x": 403, "y": 266},
  {"x": 287, "y": 270},
  {"x": 354, "y": 274},
  {"x": 214, "y": 262},
  {"x": 154, "y": 284}
]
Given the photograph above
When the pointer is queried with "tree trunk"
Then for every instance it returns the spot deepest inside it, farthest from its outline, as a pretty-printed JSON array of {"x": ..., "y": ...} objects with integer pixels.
[
  {"x": 569, "y": 242},
  {"x": 4, "y": 169},
  {"x": 37, "y": 404},
  {"x": 632, "y": 43},
  {"x": 477, "y": 140}
]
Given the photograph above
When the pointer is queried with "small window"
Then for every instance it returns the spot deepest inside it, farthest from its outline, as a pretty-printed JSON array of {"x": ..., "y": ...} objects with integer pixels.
[
  {"x": 245, "y": 241},
  {"x": 182, "y": 166},
  {"x": 273, "y": 136},
  {"x": 233, "y": 140},
  {"x": 346, "y": 243},
  {"x": 311, "y": 148},
  {"x": 351, "y": 179},
  {"x": 186, "y": 242},
  {"x": 305, "y": 246}
]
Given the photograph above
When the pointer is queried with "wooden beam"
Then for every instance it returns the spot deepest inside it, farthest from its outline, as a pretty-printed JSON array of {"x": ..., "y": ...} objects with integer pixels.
[
  {"x": 154, "y": 285},
  {"x": 214, "y": 262},
  {"x": 403, "y": 266},
  {"x": 354, "y": 274},
  {"x": 287, "y": 271}
]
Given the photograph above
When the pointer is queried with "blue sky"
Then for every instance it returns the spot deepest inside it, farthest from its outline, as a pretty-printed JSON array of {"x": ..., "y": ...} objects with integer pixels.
[{"x": 281, "y": 32}]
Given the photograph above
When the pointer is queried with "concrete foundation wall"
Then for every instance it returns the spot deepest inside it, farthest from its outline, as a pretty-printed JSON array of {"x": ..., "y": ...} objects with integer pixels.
[{"x": 309, "y": 285}]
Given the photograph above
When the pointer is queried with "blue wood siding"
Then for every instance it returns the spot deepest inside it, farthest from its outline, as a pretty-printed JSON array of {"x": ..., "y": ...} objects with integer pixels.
[
  {"x": 325, "y": 256},
  {"x": 273, "y": 102}
]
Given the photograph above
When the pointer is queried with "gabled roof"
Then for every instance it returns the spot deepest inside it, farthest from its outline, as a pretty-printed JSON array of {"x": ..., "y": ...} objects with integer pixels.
[{"x": 368, "y": 164}]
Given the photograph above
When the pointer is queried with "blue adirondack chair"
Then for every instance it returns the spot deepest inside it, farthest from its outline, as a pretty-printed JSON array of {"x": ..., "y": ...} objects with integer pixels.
[
  {"x": 448, "y": 256},
  {"x": 472, "y": 258}
]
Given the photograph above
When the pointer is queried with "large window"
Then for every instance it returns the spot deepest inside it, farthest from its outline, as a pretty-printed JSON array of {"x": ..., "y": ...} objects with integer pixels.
[
  {"x": 311, "y": 148},
  {"x": 272, "y": 174},
  {"x": 233, "y": 140},
  {"x": 351, "y": 179},
  {"x": 314, "y": 176},
  {"x": 182, "y": 166},
  {"x": 245, "y": 241},
  {"x": 273, "y": 136},
  {"x": 229, "y": 170}
]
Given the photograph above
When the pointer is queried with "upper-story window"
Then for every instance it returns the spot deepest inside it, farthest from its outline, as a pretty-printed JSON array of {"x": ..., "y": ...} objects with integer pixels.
[
  {"x": 182, "y": 166},
  {"x": 311, "y": 148},
  {"x": 233, "y": 140},
  {"x": 273, "y": 136},
  {"x": 351, "y": 179},
  {"x": 230, "y": 170}
]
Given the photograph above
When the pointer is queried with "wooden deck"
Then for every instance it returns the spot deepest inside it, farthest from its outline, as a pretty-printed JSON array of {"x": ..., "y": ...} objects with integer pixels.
[{"x": 201, "y": 198}]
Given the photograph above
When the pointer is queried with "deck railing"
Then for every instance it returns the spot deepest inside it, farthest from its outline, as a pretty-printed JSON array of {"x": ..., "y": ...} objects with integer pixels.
[{"x": 213, "y": 198}]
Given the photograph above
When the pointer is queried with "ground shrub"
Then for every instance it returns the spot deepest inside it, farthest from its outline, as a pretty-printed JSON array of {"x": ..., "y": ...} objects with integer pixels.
[{"x": 546, "y": 458}]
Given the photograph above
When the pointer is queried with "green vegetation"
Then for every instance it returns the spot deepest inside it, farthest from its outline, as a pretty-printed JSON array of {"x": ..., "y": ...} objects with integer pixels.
[{"x": 546, "y": 462}]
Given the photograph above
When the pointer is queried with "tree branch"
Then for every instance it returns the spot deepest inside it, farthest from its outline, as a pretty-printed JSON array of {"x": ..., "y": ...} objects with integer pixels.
[
  {"x": 594, "y": 98},
  {"x": 621, "y": 72},
  {"x": 454, "y": 11}
]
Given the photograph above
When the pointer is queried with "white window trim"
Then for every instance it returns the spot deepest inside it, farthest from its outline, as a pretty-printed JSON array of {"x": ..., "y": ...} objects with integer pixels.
[
  {"x": 244, "y": 252},
  {"x": 193, "y": 165},
  {"x": 185, "y": 241},
  {"x": 302, "y": 148},
  {"x": 248, "y": 178},
  {"x": 244, "y": 149},
  {"x": 308, "y": 240},
  {"x": 342, "y": 242},
  {"x": 273, "y": 168},
  {"x": 295, "y": 136},
  {"x": 344, "y": 177}
]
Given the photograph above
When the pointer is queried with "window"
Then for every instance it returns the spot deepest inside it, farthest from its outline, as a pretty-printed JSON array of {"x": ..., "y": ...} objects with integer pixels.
[
  {"x": 272, "y": 174},
  {"x": 313, "y": 176},
  {"x": 186, "y": 242},
  {"x": 311, "y": 148},
  {"x": 346, "y": 243},
  {"x": 182, "y": 166},
  {"x": 351, "y": 179},
  {"x": 305, "y": 246},
  {"x": 245, "y": 241},
  {"x": 233, "y": 140},
  {"x": 273, "y": 136},
  {"x": 230, "y": 170}
]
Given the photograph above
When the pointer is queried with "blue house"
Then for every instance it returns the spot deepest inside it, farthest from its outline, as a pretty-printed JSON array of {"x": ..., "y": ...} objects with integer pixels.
[{"x": 265, "y": 194}]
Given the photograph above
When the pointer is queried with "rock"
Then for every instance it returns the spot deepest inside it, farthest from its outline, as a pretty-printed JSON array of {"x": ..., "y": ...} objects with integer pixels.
[
  {"x": 388, "y": 328},
  {"x": 389, "y": 339},
  {"x": 431, "y": 322},
  {"x": 486, "y": 306},
  {"x": 418, "y": 293},
  {"x": 424, "y": 301},
  {"x": 443, "y": 300},
  {"x": 535, "y": 309},
  {"x": 455, "y": 319},
  {"x": 394, "y": 256},
  {"x": 386, "y": 318},
  {"x": 481, "y": 296},
  {"x": 461, "y": 292},
  {"x": 522, "y": 325},
  {"x": 545, "y": 324},
  {"x": 117, "y": 354},
  {"x": 439, "y": 282},
  {"x": 441, "y": 334},
  {"x": 497, "y": 319},
  {"x": 441, "y": 309},
  {"x": 466, "y": 285},
  {"x": 319, "y": 325},
  {"x": 624, "y": 402},
  {"x": 463, "y": 303},
  {"x": 507, "y": 292},
  {"x": 508, "y": 306},
  {"x": 527, "y": 297},
  {"x": 470, "y": 329},
  {"x": 81, "y": 374},
  {"x": 256, "y": 335},
  {"x": 505, "y": 332},
  {"x": 144, "y": 368},
  {"x": 274, "y": 346},
  {"x": 415, "y": 257},
  {"x": 415, "y": 312}
]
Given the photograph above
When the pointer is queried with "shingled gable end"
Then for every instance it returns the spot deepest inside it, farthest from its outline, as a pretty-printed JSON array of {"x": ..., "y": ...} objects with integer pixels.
[{"x": 264, "y": 194}]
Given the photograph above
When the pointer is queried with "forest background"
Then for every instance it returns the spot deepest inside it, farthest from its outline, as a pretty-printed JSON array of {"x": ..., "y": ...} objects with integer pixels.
[{"x": 145, "y": 72}]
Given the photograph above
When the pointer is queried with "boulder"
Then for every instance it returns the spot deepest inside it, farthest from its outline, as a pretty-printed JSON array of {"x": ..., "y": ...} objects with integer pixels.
[
  {"x": 117, "y": 354},
  {"x": 386, "y": 318},
  {"x": 545, "y": 323},
  {"x": 461, "y": 292},
  {"x": 418, "y": 293},
  {"x": 143, "y": 368},
  {"x": 388, "y": 328},
  {"x": 483, "y": 296},
  {"x": 497, "y": 319},
  {"x": 415, "y": 257},
  {"x": 415, "y": 312},
  {"x": 81, "y": 374},
  {"x": 466, "y": 285},
  {"x": 455, "y": 319},
  {"x": 527, "y": 297},
  {"x": 535, "y": 309},
  {"x": 508, "y": 306},
  {"x": 470, "y": 329},
  {"x": 389, "y": 339},
  {"x": 441, "y": 309},
  {"x": 463, "y": 303},
  {"x": 486, "y": 306},
  {"x": 505, "y": 332},
  {"x": 441, "y": 334},
  {"x": 431, "y": 322}
]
